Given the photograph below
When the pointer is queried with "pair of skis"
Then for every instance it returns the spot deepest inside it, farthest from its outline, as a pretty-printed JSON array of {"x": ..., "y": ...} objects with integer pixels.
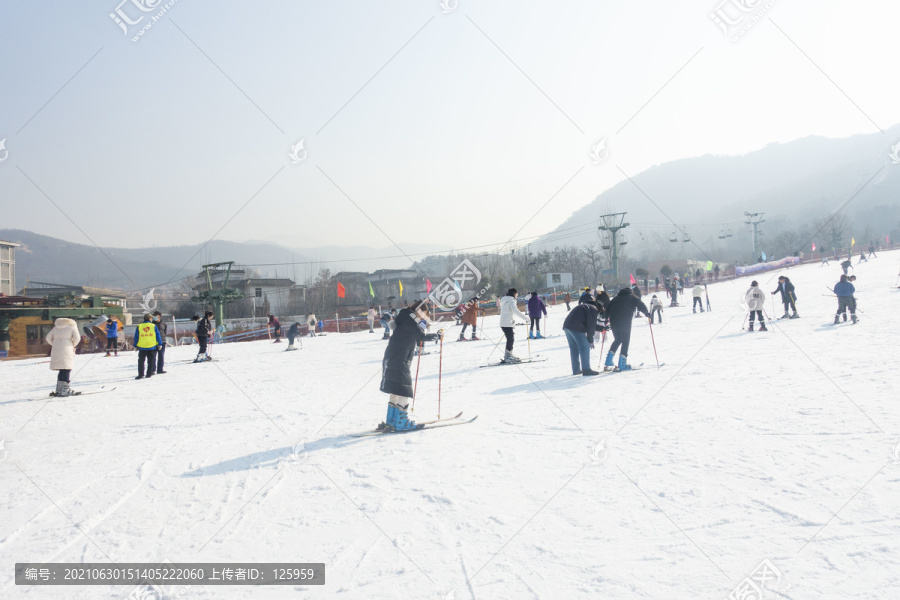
[
  {"x": 518, "y": 362},
  {"x": 100, "y": 391},
  {"x": 445, "y": 422}
]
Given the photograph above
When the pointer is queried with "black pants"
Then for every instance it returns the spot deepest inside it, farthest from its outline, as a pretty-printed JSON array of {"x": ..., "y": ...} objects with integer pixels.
[
  {"x": 464, "y": 329},
  {"x": 278, "y": 332},
  {"x": 756, "y": 313},
  {"x": 202, "y": 340},
  {"x": 656, "y": 311},
  {"x": 148, "y": 356},
  {"x": 789, "y": 304},
  {"x": 63, "y": 375},
  {"x": 290, "y": 340},
  {"x": 622, "y": 337},
  {"x": 845, "y": 302},
  {"x": 698, "y": 300},
  {"x": 567, "y": 306},
  {"x": 536, "y": 321},
  {"x": 510, "y": 334},
  {"x": 112, "y": 344},
  {"x": 161, "y": 358}
]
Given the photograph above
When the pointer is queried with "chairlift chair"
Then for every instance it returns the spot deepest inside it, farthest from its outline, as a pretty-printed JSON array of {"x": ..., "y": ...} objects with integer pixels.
[
  {"x": 622, "y": 239},
  {"x": 722, "y": 235},
  {"x": 673, "y": 237}
]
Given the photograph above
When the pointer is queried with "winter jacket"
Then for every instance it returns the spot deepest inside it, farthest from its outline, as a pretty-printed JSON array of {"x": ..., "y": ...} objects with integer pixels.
[
  {"x": 311, "y": 321},
  {"x": 470, "y": 316},
  {"x": 294, "y": 331},
  {"x": 787, "y": 291},
  {"x": 112, "y": 330},
  {"x": 656, "y": 303},
  {"x": 163, "y": 329},
  {"x": 508, "y": 309},
  {"x": 585, "y": 297},
  {"x": 147, "y": 344},
  {"x": 567, "y": 298},
  {"x": 395, "y": 374},
  {"x": 621, "y": 309},
  {"x": 582, "y": 318},
  {"x": 755, "y": 298},
  {"x": 63, "y": 338},
  {"x": 370, "y": 315},
  {"x": 636, "y": 290},
  {"x": 697, "y": 291},
  {"x": 204, "y": 327},
  {"x": 274, "y": 322},
  {"x": 844, "y": 288},
  {"x": 536, "y": 307}
]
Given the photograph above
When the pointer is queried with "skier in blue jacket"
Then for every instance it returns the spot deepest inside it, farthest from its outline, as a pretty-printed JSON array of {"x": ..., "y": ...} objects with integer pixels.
[
  {"x": 844, "y": 291},
  {"x": 112, "y": 336}
]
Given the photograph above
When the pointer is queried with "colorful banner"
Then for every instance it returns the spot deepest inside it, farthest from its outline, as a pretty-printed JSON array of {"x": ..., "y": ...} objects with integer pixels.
[
  {"x": 341, "y": 291},
  {"x": 427, "y": 286},
  {"x": 371, "y": 291},
  {"x": 633, "y": 282},
  {"x": 852, "y": 242},
  {"x": 401, "y": 288},
  {"x": 709, "y": 265},
  {"x": 814, "y": 247}
]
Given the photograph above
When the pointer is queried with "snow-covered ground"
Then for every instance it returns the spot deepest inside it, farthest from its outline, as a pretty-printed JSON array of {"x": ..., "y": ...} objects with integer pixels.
[{"x": 670, "y": 483}]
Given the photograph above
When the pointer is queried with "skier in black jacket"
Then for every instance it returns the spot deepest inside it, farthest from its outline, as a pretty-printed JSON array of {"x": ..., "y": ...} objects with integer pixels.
[
  {"x": 579, "y": 326},
  {"x": 788, "y": 297},
  {"x": 409, "y": 331},
  {"x": 586, "y": 296},
  {"x": 620, "y": 312},
  {"x": 204, "y": 330}
]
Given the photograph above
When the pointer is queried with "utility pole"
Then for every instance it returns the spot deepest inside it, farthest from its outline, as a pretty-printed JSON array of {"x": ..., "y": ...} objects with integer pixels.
[
  {"x": 219, "y": 297},
  {"x": 613, "y": 223},
  {"x": 755, "y": 223}
]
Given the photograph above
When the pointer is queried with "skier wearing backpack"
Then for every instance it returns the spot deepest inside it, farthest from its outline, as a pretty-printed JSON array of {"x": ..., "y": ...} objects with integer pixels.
[
  {"x": 620, "y": 311},
  {"x": 844, "y": 291},
  {"x": 536, "y": 306},
  {"x": 755, "y": 300},
  {"x": 697, "y": 293},
  {"x": 788, "y": 297},
  {"x": 509, "y": 310},
  {"x": 396, "y": 379}
]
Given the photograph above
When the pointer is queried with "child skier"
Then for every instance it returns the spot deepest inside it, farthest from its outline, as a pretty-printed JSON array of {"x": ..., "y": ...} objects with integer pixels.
[
  {"x": 274, "y": 322},
  {"x": 579, "y": 326},
  {"x": 370, "y": 317},
  {"x": 293, "y": 333},
  {"x": 112, "y": 336},
  {"x": 656, "y": 308},
  {"x": 203, "y": 331},
  {"x": 508, "y": 310},
  {"x": 536, "y": 306},
  {"x": 396, "y": 380},
  {"x": 755, "y": 301},
  {"x": 844, "y": 291},
  {"x": 620, "y": 312},
  {"x": 62, "y": 339},
  {"x": 697, "y": 293},
  {"x": 469, "y": 317},
  {"x": 788, "y": 298}
]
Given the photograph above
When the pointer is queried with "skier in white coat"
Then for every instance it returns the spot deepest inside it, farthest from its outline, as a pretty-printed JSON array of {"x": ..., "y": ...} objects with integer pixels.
[
  {"x": 509, "y": 310},
  {"x": 755, "y": 299},
  {"x": 63, "y": 338}
]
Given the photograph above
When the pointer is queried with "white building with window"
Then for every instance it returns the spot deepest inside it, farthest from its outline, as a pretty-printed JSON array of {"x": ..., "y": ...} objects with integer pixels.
[{"x": 8, "y": 268}]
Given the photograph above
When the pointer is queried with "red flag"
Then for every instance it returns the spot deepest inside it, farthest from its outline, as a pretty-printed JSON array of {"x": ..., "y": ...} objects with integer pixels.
[
  {"x": 814, "y": 247},
  {"x": 427, "y": 286},
  {"x": 341, "y": 290},
  {"x": 633, "y": 282}
]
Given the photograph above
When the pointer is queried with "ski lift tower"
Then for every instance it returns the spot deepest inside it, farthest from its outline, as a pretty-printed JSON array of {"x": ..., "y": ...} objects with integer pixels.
[
  {"x": 755, "y": 223},
  {"x": 613, "y": 223},
  {"x": 221, "y": 296}
]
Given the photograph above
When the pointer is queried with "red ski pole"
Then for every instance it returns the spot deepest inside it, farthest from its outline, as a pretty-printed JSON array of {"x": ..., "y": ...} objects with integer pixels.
[
  {"x": 654, "y": 344},
  {"x": 440, "y": 364},
  {"x": 416, "y": 384}
]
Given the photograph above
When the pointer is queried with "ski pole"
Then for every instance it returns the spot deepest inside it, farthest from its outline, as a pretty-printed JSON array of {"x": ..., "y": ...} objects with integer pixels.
[
  {"x": 744, "y": 322},
  {"x": 416, "y": 384},
  {"x": 602, "y": 343},
  {"x": 440, "y": 370},
  {"x": 528, "y": 339},
  {"x": 654, "y": 345}
]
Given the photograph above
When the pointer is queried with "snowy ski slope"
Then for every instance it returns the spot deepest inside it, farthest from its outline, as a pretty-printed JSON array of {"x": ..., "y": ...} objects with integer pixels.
[{"x": 676, "y": 483}]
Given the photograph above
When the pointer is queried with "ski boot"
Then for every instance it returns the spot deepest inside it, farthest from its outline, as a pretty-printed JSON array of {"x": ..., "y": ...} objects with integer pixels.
[
  {"x": 64, "y": 389},
  {"x": 401, "y": 421},
  {"x": 845, "y": 317},
  {"x": 795, "y": 315},
  {"x": 509, "y": 358},
  {"x": 587, "y": 372},
  {"x": 530, "y": 335},
  {"x": 623, "y": 364},
  {"x": 386, "y": 424},
  {"x": 609, "y": 365},
  {"x": 538, "y": 336},
  {"x": 762, "y": 326},
  {"x": 751, "y": 326},
  {"x": 462, "y": 338},
  {"x": 853, "y": 317},
  {"x": 108, "y": 354},
  {"x": 475, "y": 339}
]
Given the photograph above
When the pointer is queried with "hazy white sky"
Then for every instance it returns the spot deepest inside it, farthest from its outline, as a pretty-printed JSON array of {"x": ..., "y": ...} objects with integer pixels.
[{"x": 452, "y": 128}]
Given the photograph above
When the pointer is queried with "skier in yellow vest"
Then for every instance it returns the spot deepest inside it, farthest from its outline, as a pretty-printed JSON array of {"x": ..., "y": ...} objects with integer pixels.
[{"x": 147, "y": 340}]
